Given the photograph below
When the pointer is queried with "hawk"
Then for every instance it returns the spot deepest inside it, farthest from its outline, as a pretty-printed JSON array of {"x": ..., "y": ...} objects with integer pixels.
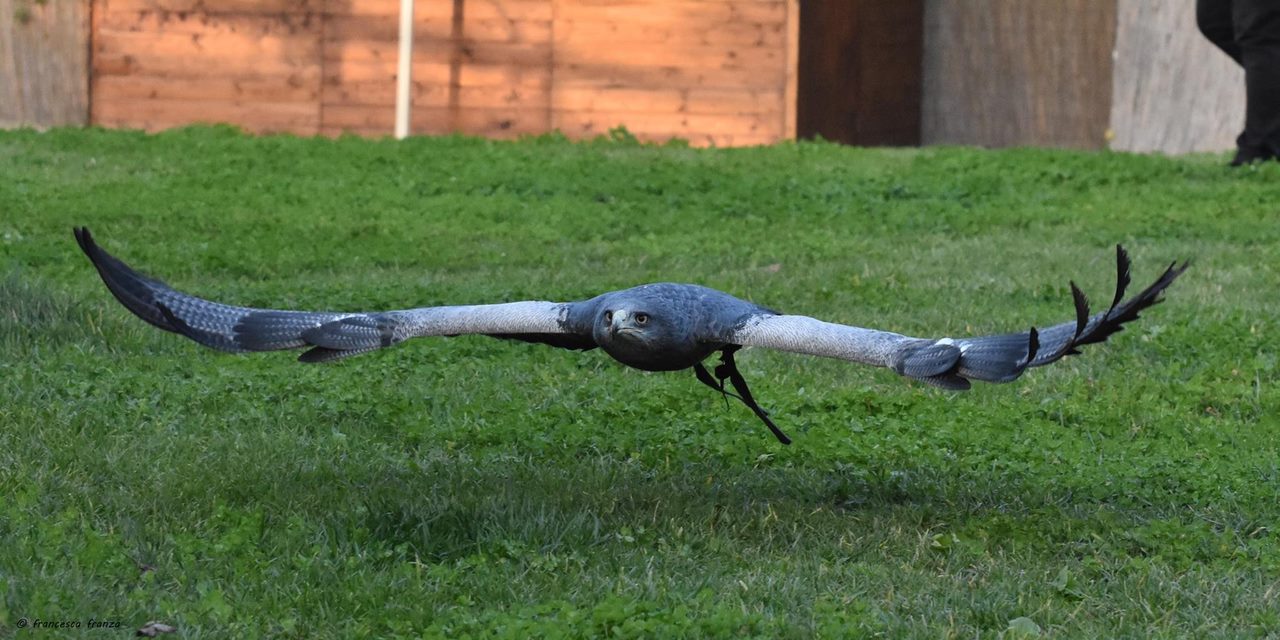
[{"x": 653, "y": 327}]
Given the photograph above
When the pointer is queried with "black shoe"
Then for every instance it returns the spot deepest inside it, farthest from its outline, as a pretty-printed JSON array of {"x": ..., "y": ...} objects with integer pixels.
[
  {"x": 1248, "y": 152},
  {"x": 1250, "y": 156}
]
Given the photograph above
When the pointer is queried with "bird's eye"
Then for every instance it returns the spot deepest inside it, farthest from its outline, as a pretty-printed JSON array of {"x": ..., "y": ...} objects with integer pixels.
[
  {"x": 608, "y": 317},
  {"x": 642, "y": 319}
]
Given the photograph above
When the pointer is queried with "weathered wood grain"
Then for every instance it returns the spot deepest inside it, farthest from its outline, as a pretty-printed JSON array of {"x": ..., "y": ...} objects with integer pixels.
[
  {"x": 164, "y": 63},
  {"x": 713, "y": 71},
  {"x": 1009, "y": 72},
  {"x": 254, "y": 116},
  {"x": 44, "y": 74},
  {"x": 859, "y": 72},
  {"x": 1173, "y": 91}
]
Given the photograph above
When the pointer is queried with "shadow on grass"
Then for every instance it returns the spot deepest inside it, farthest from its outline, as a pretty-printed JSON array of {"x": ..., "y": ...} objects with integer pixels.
[
  {"x": 453, "y": 510},
  {"x": 31, "y": 312}
]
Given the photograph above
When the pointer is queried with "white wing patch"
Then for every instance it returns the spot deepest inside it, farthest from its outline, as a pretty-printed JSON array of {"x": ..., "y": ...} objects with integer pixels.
[
  {"x": 511, "y": 317},
  {"x": 946, "y": 342},
  {"x": 802, "y": 334}
]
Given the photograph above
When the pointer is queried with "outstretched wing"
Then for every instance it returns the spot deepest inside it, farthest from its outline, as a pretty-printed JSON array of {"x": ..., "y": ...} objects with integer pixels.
[
  {"x": 951, "y": 363},
  {"x": 329, "y": 335}
]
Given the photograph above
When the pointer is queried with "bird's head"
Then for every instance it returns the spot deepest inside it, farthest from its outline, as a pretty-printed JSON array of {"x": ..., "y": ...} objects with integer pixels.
[
  {"x": 650, "y": 327},
  {"x": 632, "y": 323},
  {"x": 641, "y": 318}
]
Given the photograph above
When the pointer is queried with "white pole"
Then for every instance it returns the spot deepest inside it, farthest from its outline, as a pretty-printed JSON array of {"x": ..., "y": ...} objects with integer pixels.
[{"x": 403, "y": 69}]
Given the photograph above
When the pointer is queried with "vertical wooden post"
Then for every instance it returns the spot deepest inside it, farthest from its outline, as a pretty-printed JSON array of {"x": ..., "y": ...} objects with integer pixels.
[
  {"x": 791, "y": 91},
  {"x": 404, "y": 68}
]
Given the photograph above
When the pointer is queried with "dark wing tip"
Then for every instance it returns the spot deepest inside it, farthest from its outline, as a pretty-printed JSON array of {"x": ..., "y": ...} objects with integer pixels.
[
  {"x": 1123, "y": 276},
  {"x": 1033, "y": 346},
  {"x": 1100, "y": 327},
  {"x": 135, "y": 291},
  {"x": 989, "y": 358},
  {"x": 1081, "y": 302},
  {"x": 87, "y": 245}
]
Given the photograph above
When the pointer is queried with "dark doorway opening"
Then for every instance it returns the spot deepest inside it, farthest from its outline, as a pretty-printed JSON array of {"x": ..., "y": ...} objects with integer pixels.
[{"x": 859, "y": 76}]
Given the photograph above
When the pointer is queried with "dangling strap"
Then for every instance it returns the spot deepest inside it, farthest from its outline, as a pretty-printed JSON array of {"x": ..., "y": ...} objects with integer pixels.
[{"x": 728, "y": 369}]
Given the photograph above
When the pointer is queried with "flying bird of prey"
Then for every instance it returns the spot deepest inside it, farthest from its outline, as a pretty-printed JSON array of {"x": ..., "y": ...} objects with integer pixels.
[{"x": 654, "y": 327}]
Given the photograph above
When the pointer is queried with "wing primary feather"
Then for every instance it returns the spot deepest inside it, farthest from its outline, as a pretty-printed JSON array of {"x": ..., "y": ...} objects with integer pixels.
[
  {"x": 179, "y": 326},
  {"x": 1081, "y": 302},
  {"x": 988, "y": 358},
  {"x": 1033, "y": 345},
  {"x": 1122, "y": 275},
  {"x": 128, "y": 286},
  {"x": 950, "y": 382},
  {"x": 206, "y": 338}
]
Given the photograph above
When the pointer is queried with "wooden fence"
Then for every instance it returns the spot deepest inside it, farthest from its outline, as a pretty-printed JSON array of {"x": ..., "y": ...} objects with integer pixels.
[
  {"x": 712, "y": 71},
  {"x": 1129, "y": 74}
]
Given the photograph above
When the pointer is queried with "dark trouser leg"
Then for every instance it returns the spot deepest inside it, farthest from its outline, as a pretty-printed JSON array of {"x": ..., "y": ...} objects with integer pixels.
[
  {"x": 1215, "y": 22},
  {"x": 1257, "y": 33}
]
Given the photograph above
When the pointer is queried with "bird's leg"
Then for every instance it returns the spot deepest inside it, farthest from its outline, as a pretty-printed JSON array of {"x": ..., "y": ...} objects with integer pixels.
[{"x": 729, "y": 369}]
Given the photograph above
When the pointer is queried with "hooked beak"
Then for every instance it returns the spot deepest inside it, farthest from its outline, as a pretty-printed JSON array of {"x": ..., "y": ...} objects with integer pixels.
[{"x": 619, "y": 324}]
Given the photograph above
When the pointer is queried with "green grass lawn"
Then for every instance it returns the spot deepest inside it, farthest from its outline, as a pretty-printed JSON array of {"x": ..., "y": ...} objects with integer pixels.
[{"x": 477, "y": 487}]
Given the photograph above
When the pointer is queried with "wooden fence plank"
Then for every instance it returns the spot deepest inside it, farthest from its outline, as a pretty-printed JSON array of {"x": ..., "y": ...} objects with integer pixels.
[
  {"x": 448, "y": 9},
  {"x": 427, "y": 92},
  {"x": 173, "y": 22},
  {"x": 482, "y": 53},
  {"x": 223, "y": 89},
  {"x": 605, "y": 32},
  {"x": 257, "y": 117},
  {"x": 710, "y": 14},
  {"x": 1009, "y": 72},
  {"x": 585, "y": 71},
  {"x": 342, "y": 28},
  {"x": 44, "y": 76},
  {"x": 578, "y": 123},
  {"x": 571, "y": 97},
  {"x": 687, "y": 57},
  {"x": 214, "y": 48},
  {"x": 338, "y": 71},
  {"x": 1173, "y": 91},
  {"x": 502, "y": 121},
  {"x": 214, "y": 7}
]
